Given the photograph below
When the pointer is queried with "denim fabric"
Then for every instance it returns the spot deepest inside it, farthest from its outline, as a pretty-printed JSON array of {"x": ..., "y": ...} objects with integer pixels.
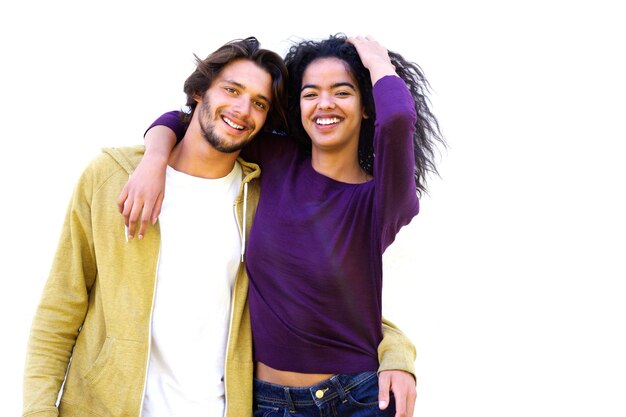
[{"x": 354, "y": 395}]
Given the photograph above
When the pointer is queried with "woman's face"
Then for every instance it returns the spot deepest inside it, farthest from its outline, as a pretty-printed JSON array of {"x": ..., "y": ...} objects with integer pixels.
[{"x": 330, "y": 103}]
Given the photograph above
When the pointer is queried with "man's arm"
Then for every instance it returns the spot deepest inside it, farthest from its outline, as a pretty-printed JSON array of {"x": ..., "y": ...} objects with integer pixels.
[
  {"x": 396, "y": 355},
  {"x": 62, "y": 308}
]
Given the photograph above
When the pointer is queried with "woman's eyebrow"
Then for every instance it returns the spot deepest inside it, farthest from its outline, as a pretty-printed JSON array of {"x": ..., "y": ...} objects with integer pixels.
[{"x": 340, "y": 84}]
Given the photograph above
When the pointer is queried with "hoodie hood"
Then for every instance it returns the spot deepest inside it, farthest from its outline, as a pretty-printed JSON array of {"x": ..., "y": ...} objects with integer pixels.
[{"x": 127, "y": 157}]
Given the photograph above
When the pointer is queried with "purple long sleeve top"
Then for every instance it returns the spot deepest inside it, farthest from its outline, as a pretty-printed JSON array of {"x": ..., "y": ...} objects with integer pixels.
[{"x": 314, "y": 255}]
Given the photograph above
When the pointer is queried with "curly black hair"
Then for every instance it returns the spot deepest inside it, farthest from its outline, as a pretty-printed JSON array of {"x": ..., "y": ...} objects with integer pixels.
[{"x": 427, "y": 133}]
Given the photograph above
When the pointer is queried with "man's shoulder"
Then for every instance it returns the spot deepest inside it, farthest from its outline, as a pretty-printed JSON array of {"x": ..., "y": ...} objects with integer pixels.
[
  {"x": 125, "y": 157},
  {"x": 112, "y": 163}
]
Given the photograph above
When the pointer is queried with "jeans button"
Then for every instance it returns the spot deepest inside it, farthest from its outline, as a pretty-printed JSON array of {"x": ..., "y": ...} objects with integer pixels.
[{"x": 319, "y": 394}]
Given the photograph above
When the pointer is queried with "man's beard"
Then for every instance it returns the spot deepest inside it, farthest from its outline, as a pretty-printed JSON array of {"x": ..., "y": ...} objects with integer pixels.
[{"x": 208, "y": 132}]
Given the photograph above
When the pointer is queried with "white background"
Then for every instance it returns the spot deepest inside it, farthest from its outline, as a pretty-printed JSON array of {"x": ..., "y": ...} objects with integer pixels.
[{"x": 510, "y": 281}]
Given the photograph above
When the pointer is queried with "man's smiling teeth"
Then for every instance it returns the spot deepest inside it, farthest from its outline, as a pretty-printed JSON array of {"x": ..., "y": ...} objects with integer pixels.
[
  {"x": 327, "y": 121},
  {"x": 232, "y": 124}
]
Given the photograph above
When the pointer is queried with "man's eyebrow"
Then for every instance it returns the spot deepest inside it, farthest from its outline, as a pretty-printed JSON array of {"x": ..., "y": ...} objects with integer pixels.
[
  {"x": 262, "y": 97},
  {"x": 340, "y": 84},
  {"x": 243, "y": 87}
]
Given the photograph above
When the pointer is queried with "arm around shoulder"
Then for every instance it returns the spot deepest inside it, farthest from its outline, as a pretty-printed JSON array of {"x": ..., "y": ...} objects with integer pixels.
[{"x": 142, "y": 196}]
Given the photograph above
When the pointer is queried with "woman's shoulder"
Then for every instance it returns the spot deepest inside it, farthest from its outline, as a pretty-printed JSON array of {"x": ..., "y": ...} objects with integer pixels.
[{"x": 270, "y": 145}]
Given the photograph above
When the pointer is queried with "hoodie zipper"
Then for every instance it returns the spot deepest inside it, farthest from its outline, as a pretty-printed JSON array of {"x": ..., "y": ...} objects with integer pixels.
[
  {"x": 242, "y": 234},
  {"x": 145, "y": 377}
]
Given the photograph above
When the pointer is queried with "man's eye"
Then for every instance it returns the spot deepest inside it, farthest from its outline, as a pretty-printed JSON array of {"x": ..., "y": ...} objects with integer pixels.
[
  {"x": 230, "y": 90},
  {"x": 260, "y": 105}
]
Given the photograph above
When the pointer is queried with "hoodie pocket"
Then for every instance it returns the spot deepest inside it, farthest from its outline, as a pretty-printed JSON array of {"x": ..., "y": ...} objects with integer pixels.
[
  {"x": 119, "y": 362},
  {"x": 113, "y": 384},
  {"x": 94, "y": 373}
]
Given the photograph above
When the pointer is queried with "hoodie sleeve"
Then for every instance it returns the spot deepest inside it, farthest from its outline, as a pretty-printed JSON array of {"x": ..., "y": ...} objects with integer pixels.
[
  {"x": 395, "y": 351},
  {"x": 62, "y": 306}
]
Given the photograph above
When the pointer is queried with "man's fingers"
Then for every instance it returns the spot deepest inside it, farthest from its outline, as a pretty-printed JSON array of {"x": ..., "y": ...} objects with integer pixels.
[
  {"x": 384, "y": 383},
  {"x": 402, "y": 384},
  {"x": 410, "y": 403},
  {"x": 404, "y": 395},
  {"x": 401, "y": 405}
]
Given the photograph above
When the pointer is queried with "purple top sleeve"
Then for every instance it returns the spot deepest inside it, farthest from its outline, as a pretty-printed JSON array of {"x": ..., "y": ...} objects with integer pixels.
[
  {"x": 172, "y": 120},
  {"x": 396, "y": 197}
]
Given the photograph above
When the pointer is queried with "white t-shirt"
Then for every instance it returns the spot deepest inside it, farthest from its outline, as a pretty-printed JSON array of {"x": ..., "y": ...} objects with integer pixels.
[{"x": 200, "y": 254}]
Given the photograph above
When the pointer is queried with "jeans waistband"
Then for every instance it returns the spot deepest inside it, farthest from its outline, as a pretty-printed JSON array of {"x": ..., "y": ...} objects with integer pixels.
[{"x": 334, "y": 387}]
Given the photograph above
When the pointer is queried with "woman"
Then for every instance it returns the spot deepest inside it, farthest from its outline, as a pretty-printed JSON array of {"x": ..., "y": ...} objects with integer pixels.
[{"x": 332, "y": 201}]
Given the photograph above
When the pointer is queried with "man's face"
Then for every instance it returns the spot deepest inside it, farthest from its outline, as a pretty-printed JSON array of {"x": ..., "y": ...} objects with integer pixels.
[{"x": 234, "y": 108}]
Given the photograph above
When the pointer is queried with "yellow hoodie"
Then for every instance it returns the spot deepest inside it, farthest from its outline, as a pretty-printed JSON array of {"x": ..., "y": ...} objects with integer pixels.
[{"x": 96, "y": 307}]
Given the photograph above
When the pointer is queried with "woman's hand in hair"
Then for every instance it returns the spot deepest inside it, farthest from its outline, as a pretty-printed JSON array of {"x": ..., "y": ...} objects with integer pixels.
[{"x": 374, "y": 57}]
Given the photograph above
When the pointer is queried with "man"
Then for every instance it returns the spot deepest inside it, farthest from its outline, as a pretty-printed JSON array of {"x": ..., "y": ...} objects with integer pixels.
[{"x": 159, "y": 326}]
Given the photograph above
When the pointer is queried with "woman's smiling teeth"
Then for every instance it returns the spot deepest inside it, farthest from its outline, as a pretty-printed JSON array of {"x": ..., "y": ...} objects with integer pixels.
[
  {"x": 232, "y": 124},
  {"x": 327, "y": 121}
]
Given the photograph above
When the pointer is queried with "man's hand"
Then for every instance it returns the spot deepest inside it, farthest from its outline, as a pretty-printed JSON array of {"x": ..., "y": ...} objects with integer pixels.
[
  {"x": 142, "y": 196},
  {"x": 403, "y": 386}
]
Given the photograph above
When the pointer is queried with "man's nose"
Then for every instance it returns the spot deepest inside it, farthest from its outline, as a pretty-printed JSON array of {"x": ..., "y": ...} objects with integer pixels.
[{"x": 243, "y": 105}]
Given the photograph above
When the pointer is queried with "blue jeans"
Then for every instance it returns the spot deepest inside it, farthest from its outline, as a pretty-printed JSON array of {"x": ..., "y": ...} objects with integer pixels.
[{"x": 354, "y": 395}]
